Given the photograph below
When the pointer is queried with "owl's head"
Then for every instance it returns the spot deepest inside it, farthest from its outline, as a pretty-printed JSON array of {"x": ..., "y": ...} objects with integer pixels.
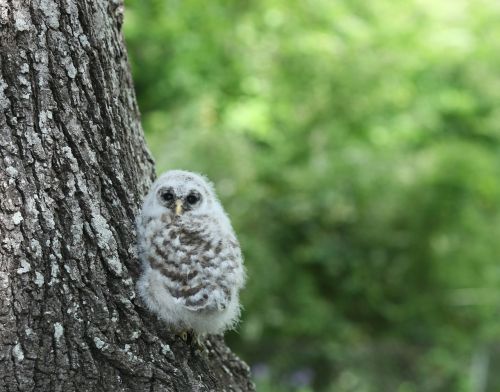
[{"x": 181, "y": 193}]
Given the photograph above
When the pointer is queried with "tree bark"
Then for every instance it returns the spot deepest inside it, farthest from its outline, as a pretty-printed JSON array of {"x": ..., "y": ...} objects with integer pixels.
[{"x": 73, "y": 170}]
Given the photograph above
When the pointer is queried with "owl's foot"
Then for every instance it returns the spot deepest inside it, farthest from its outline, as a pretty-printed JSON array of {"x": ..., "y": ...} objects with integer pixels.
[
  {"x": 184, "y": 335},
  {"x": 194, "y": 340},
  {"x": 198, "y": 343}
]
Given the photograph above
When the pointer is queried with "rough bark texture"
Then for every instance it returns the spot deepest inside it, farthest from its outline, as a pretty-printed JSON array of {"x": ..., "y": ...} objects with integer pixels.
[{"x": 73, "y": 170}]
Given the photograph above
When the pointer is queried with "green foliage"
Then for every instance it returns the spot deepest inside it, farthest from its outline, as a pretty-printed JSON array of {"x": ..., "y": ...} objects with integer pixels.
[{"x": 356, "y": 147}]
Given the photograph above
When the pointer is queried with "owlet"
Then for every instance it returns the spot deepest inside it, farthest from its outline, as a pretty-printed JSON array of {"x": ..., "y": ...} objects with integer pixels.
[{"x": 192, "y": 263}]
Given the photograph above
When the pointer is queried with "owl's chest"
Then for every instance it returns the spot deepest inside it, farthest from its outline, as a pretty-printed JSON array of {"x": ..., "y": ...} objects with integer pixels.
[{"x": 184, "y": 244}]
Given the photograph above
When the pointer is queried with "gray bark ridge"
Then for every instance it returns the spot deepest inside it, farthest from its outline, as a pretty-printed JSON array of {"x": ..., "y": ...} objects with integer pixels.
[{"x": 73, "y": 170}]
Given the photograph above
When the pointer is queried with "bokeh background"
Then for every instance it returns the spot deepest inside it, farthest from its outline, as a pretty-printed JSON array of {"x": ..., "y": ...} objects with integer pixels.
[{"x": 356, "y": 147}]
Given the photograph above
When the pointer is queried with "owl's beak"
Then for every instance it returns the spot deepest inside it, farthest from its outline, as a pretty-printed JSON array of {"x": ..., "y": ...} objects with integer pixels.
[{"x": 178, "y": 207}]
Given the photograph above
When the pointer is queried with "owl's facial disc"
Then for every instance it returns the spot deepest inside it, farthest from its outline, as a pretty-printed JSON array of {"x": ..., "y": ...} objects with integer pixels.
[{"x": 179, "y": 200}]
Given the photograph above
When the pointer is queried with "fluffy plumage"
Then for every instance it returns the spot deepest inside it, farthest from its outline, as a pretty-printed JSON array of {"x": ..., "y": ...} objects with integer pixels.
[{"x": 192, "y": 263}]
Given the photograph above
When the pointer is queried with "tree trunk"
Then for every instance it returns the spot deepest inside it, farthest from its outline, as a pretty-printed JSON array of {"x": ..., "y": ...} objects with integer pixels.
[{"x": 73, "y": 170}]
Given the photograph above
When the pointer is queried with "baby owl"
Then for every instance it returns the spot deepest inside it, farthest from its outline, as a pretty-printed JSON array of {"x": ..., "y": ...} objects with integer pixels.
[{"x": 192, "y": 263}]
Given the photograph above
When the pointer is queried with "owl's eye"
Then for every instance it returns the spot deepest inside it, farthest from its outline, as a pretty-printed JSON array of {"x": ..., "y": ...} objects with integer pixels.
[
  {"x": 192, "y": 198},
  {"x": 167, "y": 196}
]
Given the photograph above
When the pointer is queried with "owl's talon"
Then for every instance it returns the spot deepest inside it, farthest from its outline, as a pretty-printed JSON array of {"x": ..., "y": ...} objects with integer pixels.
[{"x": 199, "y": 344}]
